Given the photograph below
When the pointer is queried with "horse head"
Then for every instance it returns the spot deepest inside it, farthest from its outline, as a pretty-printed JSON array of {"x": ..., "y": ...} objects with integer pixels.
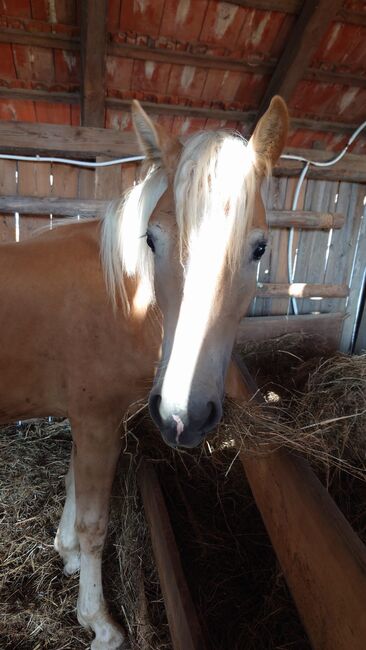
[{"x": 206, "y": 235}]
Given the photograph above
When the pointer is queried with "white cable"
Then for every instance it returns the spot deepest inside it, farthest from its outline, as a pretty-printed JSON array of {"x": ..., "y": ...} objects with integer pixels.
[{"x": 70, "y": 161}]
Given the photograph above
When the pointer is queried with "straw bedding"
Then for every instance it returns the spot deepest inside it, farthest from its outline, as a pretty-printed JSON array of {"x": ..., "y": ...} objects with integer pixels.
[{"x": 316, "y": 407}]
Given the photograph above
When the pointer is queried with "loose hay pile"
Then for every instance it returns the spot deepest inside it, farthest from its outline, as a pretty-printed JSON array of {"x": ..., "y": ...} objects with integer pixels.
[
  {"x": 236, "y": 583},
  {"x": 37, "y": 602}
]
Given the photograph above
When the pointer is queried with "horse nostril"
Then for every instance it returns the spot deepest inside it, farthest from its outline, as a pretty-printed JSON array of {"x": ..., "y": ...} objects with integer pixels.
[
  {"x": 214, "y": 416},
  {"x": 154, "y": 406}
]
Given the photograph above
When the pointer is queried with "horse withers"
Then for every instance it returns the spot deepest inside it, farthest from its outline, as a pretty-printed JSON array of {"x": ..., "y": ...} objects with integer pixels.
[{"x": 87, "y": 311}]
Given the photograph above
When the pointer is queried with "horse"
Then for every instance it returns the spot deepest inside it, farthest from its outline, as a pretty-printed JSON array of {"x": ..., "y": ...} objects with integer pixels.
[{"x": 150, "y": 295}]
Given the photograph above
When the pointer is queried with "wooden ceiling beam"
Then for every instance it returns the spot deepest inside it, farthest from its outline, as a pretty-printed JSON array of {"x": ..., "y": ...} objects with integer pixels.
[
  {"x": 303, "y": 41},
  {"x": 160, "y": 55},
  {"x": 39, "y": 39},
  {"x": 93, "y": 52},
  {"x": 294, "y": 7},
  {"x": 222, "y": 63},
  {"x": 245, "y": 117}
]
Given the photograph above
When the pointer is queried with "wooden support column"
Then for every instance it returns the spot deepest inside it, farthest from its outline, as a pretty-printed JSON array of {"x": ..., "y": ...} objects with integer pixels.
[
  {"x": 93, "y": 49},
  {"x": 303, "y": 41},
  {"x": 182, "y": 618},
  {"x": 323, "y": 560}
]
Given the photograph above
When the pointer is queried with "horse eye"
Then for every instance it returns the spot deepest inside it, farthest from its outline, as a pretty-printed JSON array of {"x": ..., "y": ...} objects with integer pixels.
[
  {"x": 149, "y": 241},
  {"x": 259, "y": 251}
]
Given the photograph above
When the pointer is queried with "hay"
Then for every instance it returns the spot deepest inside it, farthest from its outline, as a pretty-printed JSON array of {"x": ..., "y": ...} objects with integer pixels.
[
  {"x": 237, "y": 586},
  {"x": 324, "y": 421},
  {"x": 37, "y": 602}
]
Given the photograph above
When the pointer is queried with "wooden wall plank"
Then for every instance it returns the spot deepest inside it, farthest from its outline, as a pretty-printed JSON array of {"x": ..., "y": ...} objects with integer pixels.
[
  {"x": 343, "y": 241},
  {"x": 34, "y": 179},
  {"x": 357, "y": 278},
  {"x": 7, "y": 228},
  {"x": 312, "y": 245},
  {"x": 65, "y": 181}
]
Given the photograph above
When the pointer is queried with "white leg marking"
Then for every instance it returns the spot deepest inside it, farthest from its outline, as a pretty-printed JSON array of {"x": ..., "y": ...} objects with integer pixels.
[
  {"x": 91, "y": 609},
  {"x": 66, "y": 540},
  {"x": 180, "y": 427}
]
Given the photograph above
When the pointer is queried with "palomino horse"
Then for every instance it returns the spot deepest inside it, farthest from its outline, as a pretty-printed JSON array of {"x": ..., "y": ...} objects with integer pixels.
[{"x": 81, "y": 332}]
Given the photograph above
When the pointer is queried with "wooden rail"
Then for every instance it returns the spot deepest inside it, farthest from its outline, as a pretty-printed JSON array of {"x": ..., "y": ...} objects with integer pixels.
[
  {"x": 323, "y": 560},
  {"x": 301, "y": 290},
  {"x": 90, "y": 142},
  {"x": 308, "y": 220},
  {"x": 92, "y": 207},
  {"x": 182, "y": 618}
]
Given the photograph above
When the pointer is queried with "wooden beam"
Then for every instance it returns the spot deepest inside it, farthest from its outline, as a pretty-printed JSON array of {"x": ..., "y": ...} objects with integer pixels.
[
  {"x": 245, "y": 117},
  {"x": 93, "y": 50},
  {"x": 160, "y": 55},
  {"x": 182, "y": 618},
  {"x": 301, "y": 290},
  {"x": 186, "y": 111},
  {"x": 57, "y": 139},
  {"x": 283, "y": 6},
  {"x": 323, "y": 560},
  {"x": 327, "y": 327},
  {"x": 92, "y": 207},
  {"x": 39, "y": 39},
  {"x": 61, "y": 207},
  {"x": 302, "y": 43},
  {"x": 304, "y": 219},
  {"x": 35, "y": 95},
  {"x": 351, "y": 167},
  {"x": 294, "y": 7}
]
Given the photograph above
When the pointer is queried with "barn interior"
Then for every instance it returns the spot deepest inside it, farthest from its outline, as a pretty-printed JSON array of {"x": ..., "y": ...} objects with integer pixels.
[{"x": 69, "y": 70}]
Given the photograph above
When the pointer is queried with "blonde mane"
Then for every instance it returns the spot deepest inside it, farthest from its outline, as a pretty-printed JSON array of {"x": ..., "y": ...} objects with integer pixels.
[{"x": 215, "y": 179}]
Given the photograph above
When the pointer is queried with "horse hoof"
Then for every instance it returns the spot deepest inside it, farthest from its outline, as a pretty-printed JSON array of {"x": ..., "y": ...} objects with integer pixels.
[{"x": 117, "y": 642}]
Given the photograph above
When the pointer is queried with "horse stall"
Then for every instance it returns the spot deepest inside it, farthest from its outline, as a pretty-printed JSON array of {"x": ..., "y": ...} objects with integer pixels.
[{"x": 256, "y": 538}]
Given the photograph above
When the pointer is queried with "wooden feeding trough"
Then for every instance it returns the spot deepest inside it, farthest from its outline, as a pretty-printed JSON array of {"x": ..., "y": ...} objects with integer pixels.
[{"x": 323, "y": 560}]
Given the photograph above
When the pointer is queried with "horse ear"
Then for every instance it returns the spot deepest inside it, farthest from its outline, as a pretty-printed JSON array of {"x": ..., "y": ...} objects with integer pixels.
[
  {"x": 270, "y": 134},
  {"x": 157, "y": 145}
]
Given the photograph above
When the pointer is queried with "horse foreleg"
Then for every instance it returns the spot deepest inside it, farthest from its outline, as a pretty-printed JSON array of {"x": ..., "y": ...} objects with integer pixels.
[
  {"x": 66, "y": 540},
  {"x": 95, "y": 459}
]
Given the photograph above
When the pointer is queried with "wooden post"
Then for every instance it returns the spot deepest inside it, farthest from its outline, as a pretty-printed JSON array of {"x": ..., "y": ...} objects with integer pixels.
[
  {"x": 183, "y": 622},
  {"x": 323, "y": 560}
]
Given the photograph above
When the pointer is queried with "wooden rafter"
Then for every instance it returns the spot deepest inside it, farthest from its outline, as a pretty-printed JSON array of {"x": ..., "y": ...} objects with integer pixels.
[
  {"x": 93, "y": 51},
  {"x": 160, "y": 55},
  {"x": 304, "y": 39},
  {"x": 294, "y": 7}
]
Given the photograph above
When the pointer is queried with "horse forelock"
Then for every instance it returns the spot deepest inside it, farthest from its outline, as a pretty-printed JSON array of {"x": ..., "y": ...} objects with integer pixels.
[
  {"x": 123, "y": 244},
  {"x": 214, "y": 187}
]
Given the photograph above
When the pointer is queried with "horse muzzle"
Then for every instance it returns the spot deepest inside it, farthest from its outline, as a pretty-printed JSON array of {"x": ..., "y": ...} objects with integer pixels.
[{"x": 184, "y": 427}]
